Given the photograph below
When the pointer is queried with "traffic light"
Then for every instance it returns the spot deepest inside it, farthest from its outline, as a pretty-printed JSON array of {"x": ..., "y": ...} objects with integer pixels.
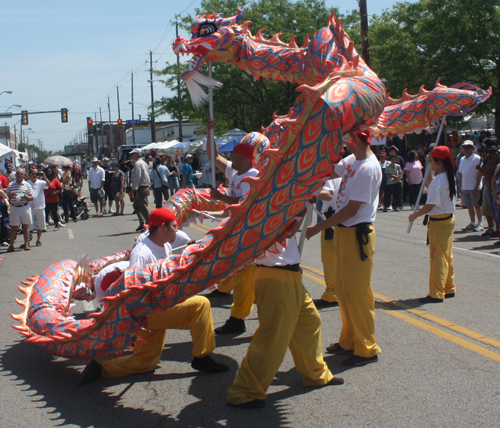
[
  {"x": 24, "y": 117},
  {"x": 119, "y": 124},
  {"x": 90, "y": 124},
  {"x": 64, "y": 115}
]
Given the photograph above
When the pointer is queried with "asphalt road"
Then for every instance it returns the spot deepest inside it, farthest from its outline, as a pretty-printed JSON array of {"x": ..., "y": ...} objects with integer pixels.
[{"x": 439, "y": 365}]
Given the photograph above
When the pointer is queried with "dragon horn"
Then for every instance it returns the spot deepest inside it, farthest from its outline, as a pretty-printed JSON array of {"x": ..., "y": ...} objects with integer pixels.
[{"x": 220, "y": 21}]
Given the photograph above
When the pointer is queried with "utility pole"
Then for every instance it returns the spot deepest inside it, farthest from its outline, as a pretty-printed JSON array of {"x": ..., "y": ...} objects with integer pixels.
[
  {"x": 133, "y": 118},
  {"x": 110, "y": 131},
  {"x": 102, "y": 131},
  {"x": 96, "y": 138},
  {"x": 363, "y": 14},
  {"x": 120, "y": 132},
  {"x": 153, "y": 129},
  {"x": 179, "y": 86}
]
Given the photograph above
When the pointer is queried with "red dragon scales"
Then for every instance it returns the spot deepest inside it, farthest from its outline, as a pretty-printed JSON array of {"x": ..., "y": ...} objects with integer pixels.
[{"x": 338, "y": 94}]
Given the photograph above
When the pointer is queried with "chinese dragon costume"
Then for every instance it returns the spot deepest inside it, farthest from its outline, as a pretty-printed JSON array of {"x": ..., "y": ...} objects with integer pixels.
[{"x": 338, "y": 94}]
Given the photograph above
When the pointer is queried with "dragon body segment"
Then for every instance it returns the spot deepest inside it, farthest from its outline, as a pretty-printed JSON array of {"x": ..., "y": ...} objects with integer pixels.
[{"x": 338, "y": 94}]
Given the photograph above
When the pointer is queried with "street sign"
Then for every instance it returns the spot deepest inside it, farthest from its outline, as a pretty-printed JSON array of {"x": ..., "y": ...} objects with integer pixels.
[
  {"x": 5, "y": 114},
  {"x": 133, "y": 122}
]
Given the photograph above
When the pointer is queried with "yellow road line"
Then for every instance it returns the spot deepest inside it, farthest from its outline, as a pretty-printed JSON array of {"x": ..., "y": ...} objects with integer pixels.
[
  {"x": 198, "y": 227},
  {"x": 459, "y": 329},
  {"x": 203, "y": 227},
  {"x": 427, "y": 327},
  {"x": 448, "y": 336}
]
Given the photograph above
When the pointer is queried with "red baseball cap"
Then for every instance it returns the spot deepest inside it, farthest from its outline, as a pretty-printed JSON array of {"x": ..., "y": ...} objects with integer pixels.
[
  {"x": 160, "y": 216},
  {"x": 244, "y": 149}
]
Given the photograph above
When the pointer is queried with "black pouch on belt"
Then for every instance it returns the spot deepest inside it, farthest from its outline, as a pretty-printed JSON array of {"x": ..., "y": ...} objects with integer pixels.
[
  {"x": 362, "y": 232},
  {"x": 329, "y": 231},
  {"x": 426, "y": 220}
]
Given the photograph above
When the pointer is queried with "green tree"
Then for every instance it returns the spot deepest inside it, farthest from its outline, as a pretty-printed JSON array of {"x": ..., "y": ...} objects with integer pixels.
[{"x": 450, "y": 40}]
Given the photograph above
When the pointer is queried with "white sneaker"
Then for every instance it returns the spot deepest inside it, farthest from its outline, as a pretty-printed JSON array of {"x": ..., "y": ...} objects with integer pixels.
[
  {"x": 469, "y": 228},
  {"x": 413, "y": 207},
  {"x": 61, "y": 224},
  {"x": 104, "y": 211},
  {"x": 479, "y": 227},
  {"x": 111, "y": 211}
]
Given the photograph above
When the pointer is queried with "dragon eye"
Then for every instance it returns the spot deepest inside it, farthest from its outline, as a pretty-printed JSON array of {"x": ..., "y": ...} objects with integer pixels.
[{"x": 206, "y": 30}]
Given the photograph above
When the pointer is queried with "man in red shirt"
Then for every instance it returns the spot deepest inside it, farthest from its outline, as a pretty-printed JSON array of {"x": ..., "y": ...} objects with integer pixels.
[{"x": 4, "y": 181}]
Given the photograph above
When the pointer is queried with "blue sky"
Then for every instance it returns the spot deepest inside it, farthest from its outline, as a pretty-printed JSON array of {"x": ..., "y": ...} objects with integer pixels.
[{"x": 73, "y": 54}]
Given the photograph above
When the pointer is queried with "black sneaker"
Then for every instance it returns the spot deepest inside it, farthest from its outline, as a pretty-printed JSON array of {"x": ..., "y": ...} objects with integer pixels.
[
  {"x": 208, "y": 365},
  {"x": 232, "y": 325},
  {"x": 449, "y": 296},
  {"x": 335, "y": 348},
  {"x": 91, "y": 373},
  {"x": 140, "y": 229},
  {"x": 355, "y": 360},
  {"x": 325, "y": 303},
  {"x": 217, "y": 293},
  {"x": 429, "y": 299}
]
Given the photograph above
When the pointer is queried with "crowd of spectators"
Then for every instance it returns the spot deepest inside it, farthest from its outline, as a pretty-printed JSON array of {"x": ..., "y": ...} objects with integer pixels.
[
  {"x": 477, "y": 166},
  {"x": 30, "y": 200}
]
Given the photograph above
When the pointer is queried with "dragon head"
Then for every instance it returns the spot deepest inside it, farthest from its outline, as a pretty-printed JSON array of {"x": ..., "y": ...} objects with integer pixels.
[{"x": 214, "y": 38}]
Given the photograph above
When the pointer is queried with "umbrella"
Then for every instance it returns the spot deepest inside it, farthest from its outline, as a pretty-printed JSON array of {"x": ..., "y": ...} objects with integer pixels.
[{"x": 58, "y": 160}]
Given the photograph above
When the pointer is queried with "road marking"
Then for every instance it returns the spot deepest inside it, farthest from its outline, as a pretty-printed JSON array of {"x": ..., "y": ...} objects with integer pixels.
[
  {"x": 70, "y": 234},
  {"x": 459, "y": 329},
  {"x": 427, "y": 327},
  {"x": 476, "y": 252},
  {"x": 200, "y": 228}
]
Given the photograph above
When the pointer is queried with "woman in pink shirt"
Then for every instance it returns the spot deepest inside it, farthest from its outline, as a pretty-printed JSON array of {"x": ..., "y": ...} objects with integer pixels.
[{"x": 413, "y": 173}]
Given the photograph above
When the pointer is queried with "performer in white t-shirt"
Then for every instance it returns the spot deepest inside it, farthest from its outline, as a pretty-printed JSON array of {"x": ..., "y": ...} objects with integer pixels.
[
  {"x": 236, "y": 170},
  {"x": 354, "y": 246},
  {"x": 181, "y": 239},
  {"x": 194, "y": 313},
  {"x": 440, "y": 207},
  {"x": 329, "y": 197},
  {"x": 287, "y": 319}
]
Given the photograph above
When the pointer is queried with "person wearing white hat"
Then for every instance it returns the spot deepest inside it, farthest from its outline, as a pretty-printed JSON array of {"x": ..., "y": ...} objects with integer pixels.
[{"x": 469, "y": 185}]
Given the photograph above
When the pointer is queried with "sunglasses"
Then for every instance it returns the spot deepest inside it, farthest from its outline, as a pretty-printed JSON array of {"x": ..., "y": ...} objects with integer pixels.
[{"x": 19, "y": 173}]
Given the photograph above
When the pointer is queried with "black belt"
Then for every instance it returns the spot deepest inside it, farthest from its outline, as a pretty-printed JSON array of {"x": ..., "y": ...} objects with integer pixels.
[
  {"x": 329, "y": 231},
  {"x": 362, "y": 232},
  {"x": 19, "y": 206},
  {"x": 427, "y": 219},
  {"x": 292, "y": 268}
]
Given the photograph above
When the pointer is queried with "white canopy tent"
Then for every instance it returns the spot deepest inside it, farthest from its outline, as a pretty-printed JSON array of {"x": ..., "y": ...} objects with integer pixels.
[{"x": 14, "y": 157}]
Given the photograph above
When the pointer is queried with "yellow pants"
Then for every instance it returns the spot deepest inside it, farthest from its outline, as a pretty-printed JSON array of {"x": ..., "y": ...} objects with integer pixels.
[
  {"x": 194, "y": 313},
  {"x": 243, "y": 295},
  {"x": 352, "y": 285},
  {"x": 327, "y": 260},
  {"x": 441, "y": 278},
  {"x": 287, "y": 318}
]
